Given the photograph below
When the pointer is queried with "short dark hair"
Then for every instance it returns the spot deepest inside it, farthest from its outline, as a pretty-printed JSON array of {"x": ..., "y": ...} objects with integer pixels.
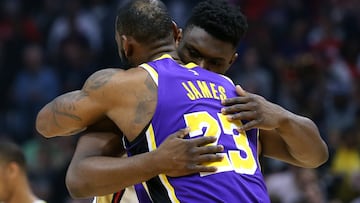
[
  {"x": 11, "y": 152},
  {"x": 145, "y": 20},
  {"x": 220, "y": 19}
]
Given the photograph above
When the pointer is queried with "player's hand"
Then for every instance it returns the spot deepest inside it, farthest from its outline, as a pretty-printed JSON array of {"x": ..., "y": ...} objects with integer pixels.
[
  {"x": 178, "y": 156},
  {"x": 253, "y": 108}
]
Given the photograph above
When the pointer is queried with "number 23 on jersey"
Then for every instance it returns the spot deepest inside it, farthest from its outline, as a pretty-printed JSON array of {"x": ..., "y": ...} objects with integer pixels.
[{"x": 240, "y": 160}]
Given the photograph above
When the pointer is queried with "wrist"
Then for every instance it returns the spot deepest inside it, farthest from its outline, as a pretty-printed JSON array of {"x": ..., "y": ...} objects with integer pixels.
[{"x": 154, "y": 161}]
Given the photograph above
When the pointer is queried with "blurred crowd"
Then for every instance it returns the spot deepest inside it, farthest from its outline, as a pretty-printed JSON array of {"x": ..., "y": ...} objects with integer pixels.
[{"x": 301, "y": 54}]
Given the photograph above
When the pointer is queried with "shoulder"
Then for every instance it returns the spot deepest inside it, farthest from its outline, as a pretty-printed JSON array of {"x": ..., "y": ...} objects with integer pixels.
[
  {"x": 100, "y": 82},
  {"x": 111, "y": 79},
  {"x": 111, "y": 76},
  {"x": 228, "y": 79},
  {"x": 129, "y": 77},
  {"x": 101, "y": 77}
]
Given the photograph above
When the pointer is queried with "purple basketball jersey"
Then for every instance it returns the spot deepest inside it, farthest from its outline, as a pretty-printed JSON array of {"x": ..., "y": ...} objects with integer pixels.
[{"x": 189, "y": 96}]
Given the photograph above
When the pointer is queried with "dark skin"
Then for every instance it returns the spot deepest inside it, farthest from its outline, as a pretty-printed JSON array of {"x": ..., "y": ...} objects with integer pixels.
[
  {"x": 94, "y": 103},
  {"x": 284, "y": 136}
]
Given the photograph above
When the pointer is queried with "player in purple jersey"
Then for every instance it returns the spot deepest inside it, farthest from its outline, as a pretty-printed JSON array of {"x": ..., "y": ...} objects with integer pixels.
[
  {"x": 161, "y": 40},
  {"x": 195, "y": 95},
  {"x": 206, "y": 56}
]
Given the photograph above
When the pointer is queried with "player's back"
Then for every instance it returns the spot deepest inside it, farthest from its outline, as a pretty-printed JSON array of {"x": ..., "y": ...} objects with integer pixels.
[{"x": 191, "y": 96}]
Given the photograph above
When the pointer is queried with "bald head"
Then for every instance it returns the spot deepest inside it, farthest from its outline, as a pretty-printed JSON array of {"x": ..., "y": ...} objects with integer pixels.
[{"x": 145, "y": 20}]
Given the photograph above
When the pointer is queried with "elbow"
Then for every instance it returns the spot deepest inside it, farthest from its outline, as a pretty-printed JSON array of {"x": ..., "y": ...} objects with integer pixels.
[
  {"x": 48, "y": 126},
  {"x": 73, "y": 188},
  {"x": 323, "y": 155},
  {"x": 42, "y": 125},
  {"x": 320, "y": 158},
  {"x": 320, "y": 152}
]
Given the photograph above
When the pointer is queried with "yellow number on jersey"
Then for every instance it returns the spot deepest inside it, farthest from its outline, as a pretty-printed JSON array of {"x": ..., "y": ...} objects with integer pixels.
[{"x": 232, "y": 159}]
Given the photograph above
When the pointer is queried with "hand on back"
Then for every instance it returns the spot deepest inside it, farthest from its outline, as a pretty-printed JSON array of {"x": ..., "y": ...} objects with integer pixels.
[
  {"x": 179, "y": 156},
  {"x": 253, "y": 108}
]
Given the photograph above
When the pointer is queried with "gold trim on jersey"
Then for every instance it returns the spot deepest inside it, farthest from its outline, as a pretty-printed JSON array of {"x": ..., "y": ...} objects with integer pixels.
[
  {"x": 164, "y": 56},
  {"x": 150, "y": 136},
  {"x": 146, "y": 189},
  {"x": 103, "y": 199},
  {"x": 170, "y": 189},
  {"x": 189, "y": 65},
  {"x": 152, "y": 72}
]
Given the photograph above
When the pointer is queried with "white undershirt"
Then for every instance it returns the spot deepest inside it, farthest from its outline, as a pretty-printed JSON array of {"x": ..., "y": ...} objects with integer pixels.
[{"x": 39, "y": 201}]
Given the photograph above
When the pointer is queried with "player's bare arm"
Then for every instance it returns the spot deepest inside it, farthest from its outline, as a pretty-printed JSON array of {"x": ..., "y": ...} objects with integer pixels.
[
  {"x": 72, "y": 112},
  {"x": 283, "y": 135},
  {"x": 134, "y": 99},
  {"x": 97, "y": 170}
]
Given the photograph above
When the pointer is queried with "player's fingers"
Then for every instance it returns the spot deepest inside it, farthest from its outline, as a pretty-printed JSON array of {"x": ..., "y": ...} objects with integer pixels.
[
  {"x": 234, "y": 109},
  {"x": 249, "y": 105},
  {"x": 244, "y": 115},
  {"x": 249, "y": 125},
  {"x": 209, "y": 149},
  {"x": 202, "y": 168},
  {"x": 234, "y": 100},
  {"x": 208, "y": 158},
  {"x": 243, "y": 97},
  {"x": 240, "y": 91},
  {"x": 200, "y": 141},
  {"x": 181, "y": 133}
]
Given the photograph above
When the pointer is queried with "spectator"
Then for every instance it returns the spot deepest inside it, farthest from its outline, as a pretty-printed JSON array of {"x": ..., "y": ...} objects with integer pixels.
[
  {"x": 34, "y": 85},
  {"x": 14, "y": 183}
]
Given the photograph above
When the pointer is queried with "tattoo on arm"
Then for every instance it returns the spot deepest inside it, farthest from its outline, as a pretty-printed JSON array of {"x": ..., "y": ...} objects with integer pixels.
[
  {"x": 146, "y": 101},
  {"x": 65, "y": 105},
  {"x": 99, "y": 79}
]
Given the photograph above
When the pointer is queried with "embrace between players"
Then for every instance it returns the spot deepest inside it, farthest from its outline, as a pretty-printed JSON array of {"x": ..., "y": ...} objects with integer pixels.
[{"x": 176, "y": 82}]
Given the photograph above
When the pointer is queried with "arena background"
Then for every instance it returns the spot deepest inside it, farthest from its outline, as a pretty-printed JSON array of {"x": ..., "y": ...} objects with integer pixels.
[{"x": 301, "y": 54}]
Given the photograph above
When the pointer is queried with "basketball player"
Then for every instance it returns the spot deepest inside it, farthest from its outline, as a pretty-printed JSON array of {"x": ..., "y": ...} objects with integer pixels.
[
  {"x": 244, "y": 94},
  {"x": 208, "y": 41},
  {"x": 14, "y": 183},
  {"x": 153, "y": 99}
]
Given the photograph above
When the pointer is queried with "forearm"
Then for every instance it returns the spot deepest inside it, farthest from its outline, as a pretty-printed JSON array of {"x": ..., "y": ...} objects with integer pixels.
[
  {"x": 109, "y": 174},
  {"x": 97, "y": 169},
  {"x": 49, "y": 126},
  {"x": 303, "y": 140},
  {"x": 283, "y": 135},
  {"x": 63, "y": 116}
]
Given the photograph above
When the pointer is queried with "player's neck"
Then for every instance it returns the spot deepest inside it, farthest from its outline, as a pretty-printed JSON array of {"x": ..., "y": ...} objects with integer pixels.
[
  {"x": 161, "y": 48},
  {"x": 23, "y": 194},
  {"x": 173, "y": 55},
  {"x": 25, "y": 197}
]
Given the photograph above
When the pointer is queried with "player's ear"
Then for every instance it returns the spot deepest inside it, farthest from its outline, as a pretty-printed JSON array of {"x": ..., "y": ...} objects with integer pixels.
[
  {"x": 233, "y": 58},
  {"x": 12, "y": 170},
  {"x": 177, "y": 32},
  {"x": 126, "y": 45},
  {"x": 179, "y": 37}
]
